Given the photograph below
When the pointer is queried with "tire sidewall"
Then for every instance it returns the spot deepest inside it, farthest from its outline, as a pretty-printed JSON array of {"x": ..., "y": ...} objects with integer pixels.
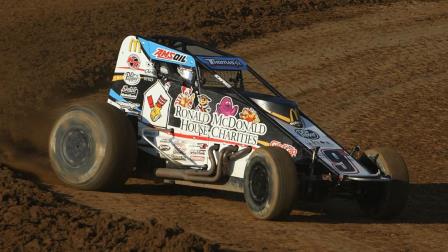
[
  {"x": 387, "y": 199},
  {"x": 282, "y": 183},
  {"x": 115, "y": 146},
  {"x": 78, "y": 117}
]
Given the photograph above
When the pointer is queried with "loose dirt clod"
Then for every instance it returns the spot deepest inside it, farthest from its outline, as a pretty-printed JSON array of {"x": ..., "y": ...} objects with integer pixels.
[{"x": 33, "y": 218}]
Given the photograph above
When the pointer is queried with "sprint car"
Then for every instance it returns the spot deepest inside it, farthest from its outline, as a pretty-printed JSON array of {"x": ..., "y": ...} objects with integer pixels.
[{"x": 181, "y": 112}]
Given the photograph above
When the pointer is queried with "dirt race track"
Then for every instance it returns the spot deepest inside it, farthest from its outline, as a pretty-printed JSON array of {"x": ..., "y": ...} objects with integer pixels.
[{"x": 372, "y": 75}]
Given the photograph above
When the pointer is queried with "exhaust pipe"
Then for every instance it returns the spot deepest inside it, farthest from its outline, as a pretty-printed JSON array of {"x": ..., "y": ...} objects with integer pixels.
[
  {"x": 227, "y": 154},
  {"x": 209, "y": 172}
]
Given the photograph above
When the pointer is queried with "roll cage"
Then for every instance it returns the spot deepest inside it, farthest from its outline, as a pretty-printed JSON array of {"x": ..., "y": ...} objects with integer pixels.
[{"x": 198, "y": 49}]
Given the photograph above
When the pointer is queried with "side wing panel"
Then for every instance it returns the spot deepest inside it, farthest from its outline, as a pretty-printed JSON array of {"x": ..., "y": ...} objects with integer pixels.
[{"x": 163, "y": 53}]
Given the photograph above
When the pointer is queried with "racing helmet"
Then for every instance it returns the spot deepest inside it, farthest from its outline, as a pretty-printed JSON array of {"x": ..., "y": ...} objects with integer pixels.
[
  {"x": 164, "y": 69},
  {"x": 186, "y": 73}
]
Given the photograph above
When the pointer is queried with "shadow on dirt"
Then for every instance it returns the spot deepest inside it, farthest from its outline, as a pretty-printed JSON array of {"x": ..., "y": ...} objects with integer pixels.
[
  {"x": 428, "y": 203},
  {"x": 167, "y": 189}
]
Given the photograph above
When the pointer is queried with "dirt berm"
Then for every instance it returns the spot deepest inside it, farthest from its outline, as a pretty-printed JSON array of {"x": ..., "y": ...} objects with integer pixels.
[
  {"x": 51, "y": 50},
  {"x": 32, "y": 218}
]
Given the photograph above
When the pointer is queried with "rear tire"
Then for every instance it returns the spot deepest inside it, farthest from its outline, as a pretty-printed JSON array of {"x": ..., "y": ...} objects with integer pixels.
[
  {"x": 93, "y": 147},
  {"x": 385, "y": 200},
  {"x": 270, "y": 183}
]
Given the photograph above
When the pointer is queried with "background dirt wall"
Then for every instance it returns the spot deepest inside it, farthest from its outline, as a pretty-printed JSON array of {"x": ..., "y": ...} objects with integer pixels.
[{"x": 52, "y": 50}]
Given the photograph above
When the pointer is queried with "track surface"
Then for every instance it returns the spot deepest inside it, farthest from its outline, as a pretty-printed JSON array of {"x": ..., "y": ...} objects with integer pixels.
[
  {"x": 378, "y": 78},
  {"x": 373, "y": 75}
]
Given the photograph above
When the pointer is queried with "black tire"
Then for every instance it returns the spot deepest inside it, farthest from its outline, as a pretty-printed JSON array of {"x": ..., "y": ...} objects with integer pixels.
[
  {"x": 385, "y": 200},
  {"x": 93, "y": 147},
  {"x": 270, "y": 183}
]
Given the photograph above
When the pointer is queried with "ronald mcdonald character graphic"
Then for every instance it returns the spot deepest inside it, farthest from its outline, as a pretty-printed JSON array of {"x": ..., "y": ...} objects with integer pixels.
[{"x": 186, "y": 98}]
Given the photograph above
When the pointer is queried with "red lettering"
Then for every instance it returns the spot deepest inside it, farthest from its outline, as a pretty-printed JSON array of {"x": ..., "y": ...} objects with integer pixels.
[{"x": 164, "y": 54}]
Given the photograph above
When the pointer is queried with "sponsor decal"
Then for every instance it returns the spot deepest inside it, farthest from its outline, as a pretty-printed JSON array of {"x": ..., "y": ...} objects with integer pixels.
[
  {"x": 161, "y": 53},
  {"x": 155, "y": 109},
  {"x": 180, "y": 148},
  {"x": 198, "y": 148},
  {"x": 310, "y": 135},
  {"x": 118, "y": 101},
  {"x": 128, "y": 105},
  {"x": 133, "y": 61},
  {"x": 306, "y": 133},
  {"x": 203, "y": 103},
  {"x": 150, "y": 79},
  {"x": 225, "y": 107},
  {"x": 215, "y": 125},
  {"x": 295, "y": 118},
  {"x": 197, "y": 158},
  {"x": 186, "y": 98},
  {"x": 297, "y": 124},
  {"x": 156, "y": 105},
  {"x": 224, "y": 62},
  {"x": 134, "y": 46},
  {"x": 250, "y": 115},
  {"x": 339, "y": 160},
  {"x": 164, "y": 140},
  {"x": 320, "y": 143},
  {"x": 202, "y": 146},
  {"x": 289, "y": 148},
  {"x": 164, "y": 147},
  {"x": 131, "y": 78},
  {"x": 198, "y": 151},
  {"x": 177, "y": 156},
  {"x": 129, "y": 92}
]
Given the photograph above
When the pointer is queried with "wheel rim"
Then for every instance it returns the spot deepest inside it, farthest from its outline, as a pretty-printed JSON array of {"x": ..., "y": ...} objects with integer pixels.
[
  {"x": 259, "y": 184},
  {"x": 77, "y": 147}
]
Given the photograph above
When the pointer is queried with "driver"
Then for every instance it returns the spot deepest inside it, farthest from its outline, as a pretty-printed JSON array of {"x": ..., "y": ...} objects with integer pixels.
[{"x": 186, "y": 73}]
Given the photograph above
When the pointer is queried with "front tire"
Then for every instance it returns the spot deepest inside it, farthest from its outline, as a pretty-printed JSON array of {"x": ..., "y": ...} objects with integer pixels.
[
  {"x": 270, "y": 183},
  {"x": 93, "y": 147},
  {"x": 385, "y": 200}
]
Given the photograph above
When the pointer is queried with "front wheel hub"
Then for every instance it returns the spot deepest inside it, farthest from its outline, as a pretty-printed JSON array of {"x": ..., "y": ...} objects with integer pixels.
[
  {"x": 76, "y": 144},
  {"x": 259, "y": 184}
]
